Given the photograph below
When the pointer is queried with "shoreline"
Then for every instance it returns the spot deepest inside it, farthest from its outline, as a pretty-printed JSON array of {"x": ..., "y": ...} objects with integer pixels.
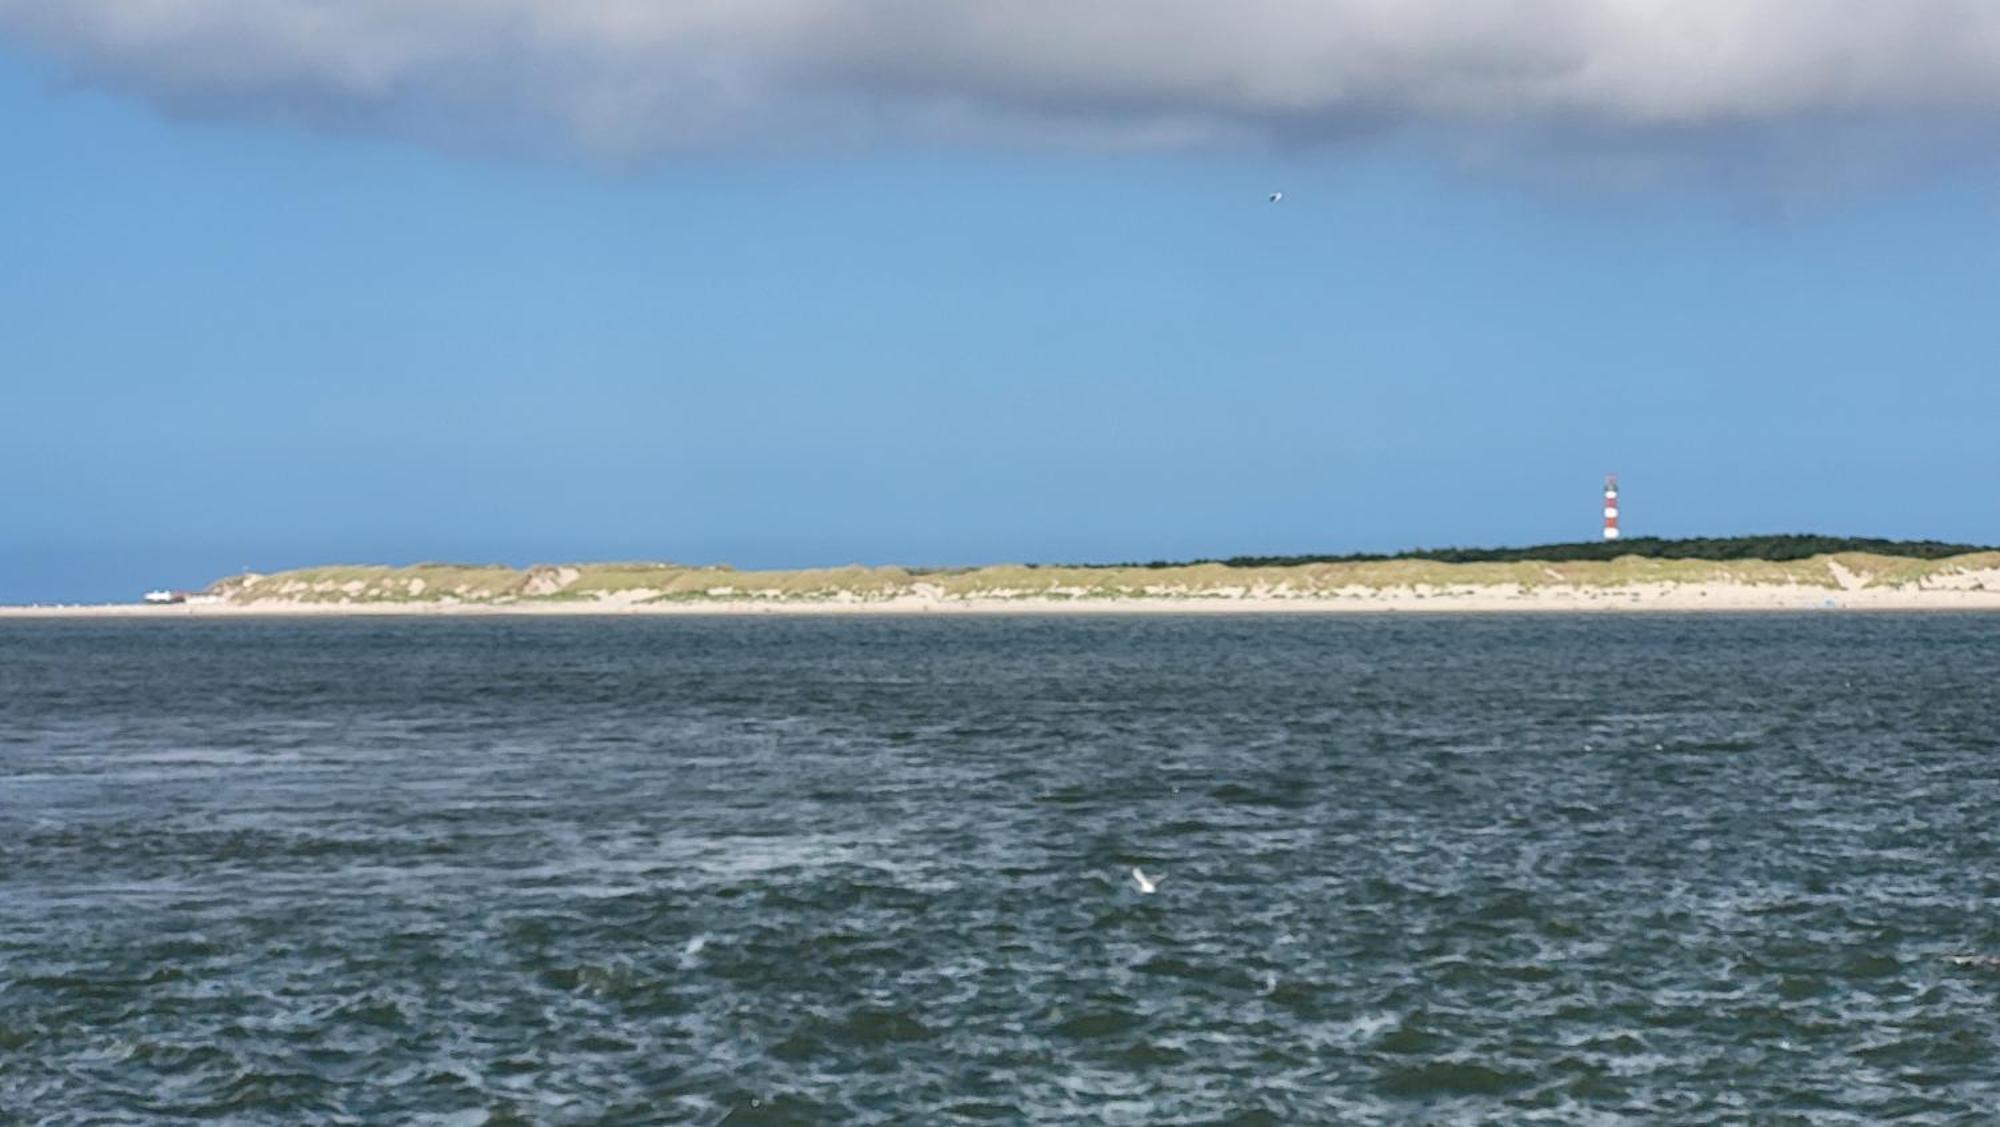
[
  {"x": 1625, "y": 585},
  {"x": 1704, "y": 599}
]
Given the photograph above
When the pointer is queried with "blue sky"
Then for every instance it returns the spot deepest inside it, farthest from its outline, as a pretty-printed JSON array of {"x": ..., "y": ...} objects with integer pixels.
[{"x": 227, "y": 342}]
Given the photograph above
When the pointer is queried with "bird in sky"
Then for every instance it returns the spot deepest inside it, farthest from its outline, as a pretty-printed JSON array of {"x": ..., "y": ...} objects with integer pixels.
[{"x": 1276, "y": 196}]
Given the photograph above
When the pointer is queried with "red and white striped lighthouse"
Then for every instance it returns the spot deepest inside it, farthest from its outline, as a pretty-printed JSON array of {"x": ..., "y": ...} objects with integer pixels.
[{"x": 1611, "y": 506}]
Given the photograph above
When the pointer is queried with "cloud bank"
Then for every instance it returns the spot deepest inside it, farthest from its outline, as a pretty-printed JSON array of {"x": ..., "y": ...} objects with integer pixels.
[{"x": 638, "y": 78}]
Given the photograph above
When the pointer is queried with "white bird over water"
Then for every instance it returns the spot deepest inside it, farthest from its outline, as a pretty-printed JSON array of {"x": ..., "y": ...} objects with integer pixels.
[
  {"x": 1146, "y": 884},
  {"x": 1276, "y": 196}
]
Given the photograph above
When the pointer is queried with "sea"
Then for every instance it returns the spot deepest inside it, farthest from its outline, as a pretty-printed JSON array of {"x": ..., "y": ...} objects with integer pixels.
[{"x": 1441, "y": 869}]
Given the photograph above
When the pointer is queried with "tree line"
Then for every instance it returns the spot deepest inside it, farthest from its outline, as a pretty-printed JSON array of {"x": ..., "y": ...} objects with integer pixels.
[{"x": 1774, "y": 549}]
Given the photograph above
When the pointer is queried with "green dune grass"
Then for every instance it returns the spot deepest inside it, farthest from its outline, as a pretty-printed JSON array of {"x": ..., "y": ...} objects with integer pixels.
[{"x": 639, "y": 582}]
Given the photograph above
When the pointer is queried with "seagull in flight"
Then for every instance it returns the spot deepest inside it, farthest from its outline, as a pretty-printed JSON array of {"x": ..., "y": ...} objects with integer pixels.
[
  {"x": 1146, "y": 884},
  {"x": 1276, "y": 196}
]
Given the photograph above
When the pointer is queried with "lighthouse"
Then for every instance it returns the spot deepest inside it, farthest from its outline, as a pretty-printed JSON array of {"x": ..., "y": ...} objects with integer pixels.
[{"x": 1611, "y": 506}]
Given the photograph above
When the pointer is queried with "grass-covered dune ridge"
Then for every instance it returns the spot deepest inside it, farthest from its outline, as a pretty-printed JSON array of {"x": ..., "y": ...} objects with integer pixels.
[{"x": 633, "y": 584}]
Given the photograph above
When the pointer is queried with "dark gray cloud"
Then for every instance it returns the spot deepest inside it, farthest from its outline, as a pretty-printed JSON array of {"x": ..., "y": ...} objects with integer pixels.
[{"x": 634, "y": 78}]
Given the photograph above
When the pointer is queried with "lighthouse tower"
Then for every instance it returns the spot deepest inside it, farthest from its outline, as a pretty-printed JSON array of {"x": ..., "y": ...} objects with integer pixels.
[{"x": 1611, "y": 506}]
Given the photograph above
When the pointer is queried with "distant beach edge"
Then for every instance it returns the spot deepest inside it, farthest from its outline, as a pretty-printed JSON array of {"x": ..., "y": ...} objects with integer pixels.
[
  {"x": 1740, "y": 600},
  {"x": 1835, "y": 581}
]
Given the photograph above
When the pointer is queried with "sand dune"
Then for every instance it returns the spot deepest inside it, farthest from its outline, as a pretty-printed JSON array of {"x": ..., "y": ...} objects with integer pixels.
[{"x": 1850, "y": 581}]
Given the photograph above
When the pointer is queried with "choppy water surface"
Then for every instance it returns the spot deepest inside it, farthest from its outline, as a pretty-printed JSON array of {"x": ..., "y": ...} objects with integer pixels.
[{"x": 1451, "y": 870}]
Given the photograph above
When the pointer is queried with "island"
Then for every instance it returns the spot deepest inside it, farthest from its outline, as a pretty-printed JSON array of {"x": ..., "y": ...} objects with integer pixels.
[{"x": 1738, "y": 574}]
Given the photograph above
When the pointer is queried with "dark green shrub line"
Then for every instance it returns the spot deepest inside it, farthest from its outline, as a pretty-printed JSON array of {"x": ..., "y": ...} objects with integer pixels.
[{"x": 1775, "y": 549}]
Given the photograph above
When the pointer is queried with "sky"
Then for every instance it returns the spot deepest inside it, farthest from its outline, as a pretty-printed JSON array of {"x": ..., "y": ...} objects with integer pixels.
[{"x": 808, "y": 283}]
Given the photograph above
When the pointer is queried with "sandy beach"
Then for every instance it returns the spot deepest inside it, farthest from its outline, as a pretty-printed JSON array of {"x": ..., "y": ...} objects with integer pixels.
[
  {"x": 1659, "y": 598},
  {"x": 1848, "y": 581}
]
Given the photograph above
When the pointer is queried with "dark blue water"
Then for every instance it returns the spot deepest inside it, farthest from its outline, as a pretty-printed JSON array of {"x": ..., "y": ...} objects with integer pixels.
[{"x": 1439, "y": 870}]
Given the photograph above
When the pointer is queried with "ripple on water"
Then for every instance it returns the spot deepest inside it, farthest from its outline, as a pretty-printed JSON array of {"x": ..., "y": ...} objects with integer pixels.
[{"x": 1452, "y": 870}]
